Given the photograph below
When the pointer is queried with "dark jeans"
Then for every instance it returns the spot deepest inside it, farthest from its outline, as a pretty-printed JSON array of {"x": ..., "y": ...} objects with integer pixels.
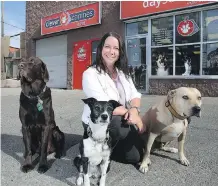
[{"x": 127, "y": 147}]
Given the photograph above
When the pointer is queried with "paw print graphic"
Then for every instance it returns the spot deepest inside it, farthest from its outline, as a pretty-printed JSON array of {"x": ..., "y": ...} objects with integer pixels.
[{"x": 185, "y": 28}]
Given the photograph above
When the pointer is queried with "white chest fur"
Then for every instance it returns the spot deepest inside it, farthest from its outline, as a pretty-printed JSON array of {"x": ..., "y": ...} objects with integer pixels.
[
  {"x": 171, "y": 132},
  {"x": 95, "y": 151}
]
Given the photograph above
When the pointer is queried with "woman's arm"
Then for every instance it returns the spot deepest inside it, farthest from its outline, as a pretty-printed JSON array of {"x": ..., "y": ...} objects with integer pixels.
[{"x": 92, "y": 87}]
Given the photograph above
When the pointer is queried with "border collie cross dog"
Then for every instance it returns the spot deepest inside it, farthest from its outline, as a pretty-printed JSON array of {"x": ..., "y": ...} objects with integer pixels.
[
  {"x": 40, "y": 133},
  {"x": 95, "y": 150}
]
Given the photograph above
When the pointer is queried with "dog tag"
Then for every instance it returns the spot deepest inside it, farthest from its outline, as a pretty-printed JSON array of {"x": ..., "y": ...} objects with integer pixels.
[{"x": 39, "y": 105}]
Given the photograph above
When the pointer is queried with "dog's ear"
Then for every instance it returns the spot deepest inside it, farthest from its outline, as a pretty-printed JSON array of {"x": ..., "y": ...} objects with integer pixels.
[
  {"x": 171, "y": 94},
  {"x": 114, "y": 103},
  {"x": 45, "y": 74},
  {"x": 89, "y": 101}
]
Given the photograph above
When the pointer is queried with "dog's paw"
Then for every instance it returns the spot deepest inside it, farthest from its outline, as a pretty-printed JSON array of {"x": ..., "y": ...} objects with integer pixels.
[
  {"x": 26, "y": 168},
  {"x": 174, "y": 150},
  {"x": 184, "y": 161},
  {"x": 42, "y": 169},
  {"x": 79, "y": 181},
  {"x": 144, "y": 166}
]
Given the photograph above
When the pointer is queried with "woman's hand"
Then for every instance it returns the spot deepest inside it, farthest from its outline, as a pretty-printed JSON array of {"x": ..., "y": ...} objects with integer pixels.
[{"x": 134, "y": 118}]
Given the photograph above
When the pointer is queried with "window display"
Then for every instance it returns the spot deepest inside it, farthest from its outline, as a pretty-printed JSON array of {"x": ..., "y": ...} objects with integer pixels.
[
  {"x": 188, "y": 60},
  {"x": 162, "y": 31},
  {"x": 162, "y": 61},
  {"x": 210, "y": 59},
  {"x": 187, "y": 28},
  {"x": 182, "y": 45}
]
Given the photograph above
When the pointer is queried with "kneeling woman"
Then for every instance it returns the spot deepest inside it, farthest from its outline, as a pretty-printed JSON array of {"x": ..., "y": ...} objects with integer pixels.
[{"x": 107, "y": 79}]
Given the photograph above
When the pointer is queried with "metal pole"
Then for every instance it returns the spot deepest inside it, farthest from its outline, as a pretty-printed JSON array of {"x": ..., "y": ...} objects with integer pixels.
[
  {"x": 2, "y": 46},
  {"x": 2, "y": 18}
]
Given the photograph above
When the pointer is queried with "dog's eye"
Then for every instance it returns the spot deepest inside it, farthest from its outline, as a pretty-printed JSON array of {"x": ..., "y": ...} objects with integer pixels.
[
  {"x": 199, "y": 98},
  {"x": 97, "y": 108},
  {"x": 185, "y": 97},
  {"x": 110, "y": 109}
]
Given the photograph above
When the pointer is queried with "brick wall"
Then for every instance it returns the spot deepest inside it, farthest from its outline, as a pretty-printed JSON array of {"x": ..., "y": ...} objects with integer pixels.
[{"x": 208, "y": 87}]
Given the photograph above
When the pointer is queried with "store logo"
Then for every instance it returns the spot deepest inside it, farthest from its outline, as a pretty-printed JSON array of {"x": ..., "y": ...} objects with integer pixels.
[
  {"x": 81, "y": 55},
  {"x": 187, "y": 27},
  {"x": 65, "y": 18}
]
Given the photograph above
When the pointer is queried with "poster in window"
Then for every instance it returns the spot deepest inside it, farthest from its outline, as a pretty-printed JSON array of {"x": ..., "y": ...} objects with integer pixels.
[
  {"x": 188, "y": 60},
  {"x": 162, "y": 61},
  {"x": 188, "y": 28},
  {"x": 162, "y": 31}
]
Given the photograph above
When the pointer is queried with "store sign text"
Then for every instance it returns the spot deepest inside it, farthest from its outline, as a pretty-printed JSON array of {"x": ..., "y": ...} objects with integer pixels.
[{"x": 71, "y": 19}]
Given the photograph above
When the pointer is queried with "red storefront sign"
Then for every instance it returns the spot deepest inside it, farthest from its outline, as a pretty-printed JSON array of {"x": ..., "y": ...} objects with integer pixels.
[
  {"x": 130, "y": 9},
  {"x": 72, "y": 19}
]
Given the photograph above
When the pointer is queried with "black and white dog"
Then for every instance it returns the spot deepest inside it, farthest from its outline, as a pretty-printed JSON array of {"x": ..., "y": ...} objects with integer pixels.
[
  {"x": 187, "y": 64},
  {"x": 161, "y": 61},
  {"x": 95, "y": 150}
]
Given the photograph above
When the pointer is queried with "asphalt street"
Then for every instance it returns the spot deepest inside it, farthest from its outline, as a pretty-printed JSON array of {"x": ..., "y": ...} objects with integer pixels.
[{"x": 201, "y": 147}]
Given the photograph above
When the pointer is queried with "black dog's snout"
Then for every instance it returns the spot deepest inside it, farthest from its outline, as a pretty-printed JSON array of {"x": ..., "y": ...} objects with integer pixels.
[
  {"x": 196, "y": 109},
  {"x": 104, "y": 116}
]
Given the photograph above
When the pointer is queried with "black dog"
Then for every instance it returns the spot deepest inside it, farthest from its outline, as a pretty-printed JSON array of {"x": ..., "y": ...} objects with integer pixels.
[
  {"x": 95, "y": 149},
  {"x": 40, "y": 133}
]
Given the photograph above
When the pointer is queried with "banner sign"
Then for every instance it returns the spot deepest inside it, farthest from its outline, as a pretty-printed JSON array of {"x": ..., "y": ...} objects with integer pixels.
[
  {"x": 131, "y": 9},
  {"x": 72, "y": 19}
]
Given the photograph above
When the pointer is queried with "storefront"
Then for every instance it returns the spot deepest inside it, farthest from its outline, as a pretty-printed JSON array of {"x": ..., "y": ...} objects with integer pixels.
[
  {"x": 171, "y": 44},
  {"x": 53, "y": 50}
]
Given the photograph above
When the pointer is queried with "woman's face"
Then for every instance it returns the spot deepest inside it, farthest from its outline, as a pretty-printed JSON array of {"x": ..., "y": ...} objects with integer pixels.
[{"x": 110, "y": 51}]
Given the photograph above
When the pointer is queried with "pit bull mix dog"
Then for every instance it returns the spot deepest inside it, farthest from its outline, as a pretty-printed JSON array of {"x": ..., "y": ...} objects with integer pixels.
[{"x": 168, "y": 120}]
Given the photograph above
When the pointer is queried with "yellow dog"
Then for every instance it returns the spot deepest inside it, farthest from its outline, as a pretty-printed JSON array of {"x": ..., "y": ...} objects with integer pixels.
[{"x": 168, "y": 120}]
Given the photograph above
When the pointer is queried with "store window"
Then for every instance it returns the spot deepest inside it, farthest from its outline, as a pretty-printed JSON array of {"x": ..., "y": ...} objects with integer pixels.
[
  {"x": 137, "y": 28},
  {"x": 94, "y": 50},
  {"x": 187, "y": 28},
  {"x": 210, "y": 59},
  {"x": 136, "y": 50},
  {"x": 188, "y": 60},
  {"x": 162, "y": 61},
  {"x": 210, "y": 25},
  {"x": 162, "y": 31}
]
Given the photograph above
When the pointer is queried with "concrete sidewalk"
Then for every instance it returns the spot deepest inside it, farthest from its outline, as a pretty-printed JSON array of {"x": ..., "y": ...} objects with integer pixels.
[{"x": 201, "y": 148}]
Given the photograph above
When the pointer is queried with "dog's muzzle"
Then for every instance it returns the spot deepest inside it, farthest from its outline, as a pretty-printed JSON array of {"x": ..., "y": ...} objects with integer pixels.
[
  {"x": 196, "y": 110},
  {"x": 104, "y": 118},
  {"x": 22, "y": 72}
]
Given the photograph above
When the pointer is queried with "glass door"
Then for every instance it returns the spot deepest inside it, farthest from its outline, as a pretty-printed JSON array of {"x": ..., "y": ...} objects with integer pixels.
[{"x": 136, "y": 53}]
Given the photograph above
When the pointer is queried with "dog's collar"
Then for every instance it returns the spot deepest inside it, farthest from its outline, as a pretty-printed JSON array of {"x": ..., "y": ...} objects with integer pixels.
[
  {"x": 173, "y": 111},
  {"x": 89, "y": 132},
  {"x": 36, "y": 97}
]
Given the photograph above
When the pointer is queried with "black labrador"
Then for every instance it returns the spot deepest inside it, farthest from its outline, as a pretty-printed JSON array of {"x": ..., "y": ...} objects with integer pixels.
[{"x": 40, "y": 133}]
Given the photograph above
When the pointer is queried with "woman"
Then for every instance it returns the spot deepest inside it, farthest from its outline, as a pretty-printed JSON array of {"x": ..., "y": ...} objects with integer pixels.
[{"x": 107, "y": 79}]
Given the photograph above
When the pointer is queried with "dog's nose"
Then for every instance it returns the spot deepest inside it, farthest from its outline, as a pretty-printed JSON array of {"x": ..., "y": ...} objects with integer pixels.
[
  {"x": 104, "y": 116},
  {"x": 196, "y": 109}
]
